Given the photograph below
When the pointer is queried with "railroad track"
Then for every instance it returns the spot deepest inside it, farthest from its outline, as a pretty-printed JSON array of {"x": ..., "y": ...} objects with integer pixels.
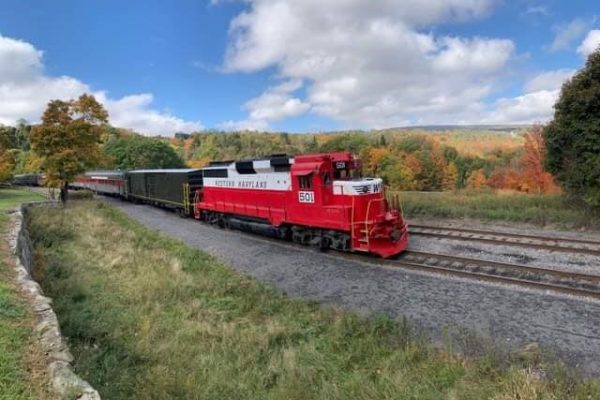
[
  {"x": 546, "y": 279},
  {"x": 513, "y": 239}
]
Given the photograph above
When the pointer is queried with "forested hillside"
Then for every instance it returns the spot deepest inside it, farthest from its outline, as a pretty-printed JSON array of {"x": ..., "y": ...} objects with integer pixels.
[
  {"x": 407, "y": 159},
  {"x": 415, "y": 159}
]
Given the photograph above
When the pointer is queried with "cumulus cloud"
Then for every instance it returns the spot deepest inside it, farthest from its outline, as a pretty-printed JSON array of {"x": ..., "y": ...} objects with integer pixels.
[
  {"x": 590, "y": 43},
  {"x": 367, "y": 63},
  {"x": 274, "y": 104},
  {"x": 567, "y": 33},
  {"x": 536, "y": 103},
  {"x": 25, "y": 90},
  {"x": 549, "y": 80}
]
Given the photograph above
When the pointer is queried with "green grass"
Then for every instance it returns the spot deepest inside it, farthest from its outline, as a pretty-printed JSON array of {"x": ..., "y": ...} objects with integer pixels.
[
  {"x": 10, "y": 198},
  {"x": 545, "y": 209},
  {"x": 15, "y": 320},
  {"x": 150, "y": 318}
]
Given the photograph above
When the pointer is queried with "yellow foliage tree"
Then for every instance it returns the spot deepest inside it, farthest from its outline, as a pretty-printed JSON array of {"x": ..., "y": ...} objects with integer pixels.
[
  {"x": 450, "y": 177},
  {"x": 7, "y": 158},
  {"x": 68, "y": 139},
  {"x": 476, "y": 180},
  {"x": 375, "y": 157},
  {"x": 7, "y": 164}
]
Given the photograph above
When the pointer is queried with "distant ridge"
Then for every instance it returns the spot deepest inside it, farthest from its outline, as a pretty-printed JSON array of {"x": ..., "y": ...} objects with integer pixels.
[{"x": 436, "y": 128}]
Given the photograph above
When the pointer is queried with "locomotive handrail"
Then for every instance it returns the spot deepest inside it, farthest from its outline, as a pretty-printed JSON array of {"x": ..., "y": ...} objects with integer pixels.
[
  {"x": 195, "y": 202},
  {"x": 367, "y": 216}
]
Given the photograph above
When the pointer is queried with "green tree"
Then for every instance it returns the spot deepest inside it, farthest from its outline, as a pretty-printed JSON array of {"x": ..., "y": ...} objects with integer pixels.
[
  {"x": 142, "y": 152},
  {"x": 68, "y": 139},
  {"x": 22, "y": 135},
  {"x": 573, "y": 136},
  {"x": 353, "y": 142}
]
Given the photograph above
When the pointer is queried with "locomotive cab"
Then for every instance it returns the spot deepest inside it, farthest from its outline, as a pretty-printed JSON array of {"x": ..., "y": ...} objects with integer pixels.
[{"x": 330, "y": 189}]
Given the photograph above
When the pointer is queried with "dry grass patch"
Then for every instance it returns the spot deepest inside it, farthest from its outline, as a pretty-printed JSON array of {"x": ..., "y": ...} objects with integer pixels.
[{"x": 150, "y": 318}]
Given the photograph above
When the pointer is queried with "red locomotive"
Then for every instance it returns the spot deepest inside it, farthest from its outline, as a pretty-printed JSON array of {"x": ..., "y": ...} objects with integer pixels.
[{"x": 318, "y": 199}]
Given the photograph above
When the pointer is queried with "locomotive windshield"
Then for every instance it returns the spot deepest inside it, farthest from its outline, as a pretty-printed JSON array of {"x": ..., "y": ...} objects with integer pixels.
[{"x": 344, "y": 170}]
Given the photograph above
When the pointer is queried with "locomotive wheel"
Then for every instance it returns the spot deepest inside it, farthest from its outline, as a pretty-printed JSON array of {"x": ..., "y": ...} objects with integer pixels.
[{"x": 324, "y": 243}]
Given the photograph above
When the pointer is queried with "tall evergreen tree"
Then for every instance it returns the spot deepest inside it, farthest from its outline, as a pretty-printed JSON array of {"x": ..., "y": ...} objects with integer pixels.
[{"x": 573, "y": 136}]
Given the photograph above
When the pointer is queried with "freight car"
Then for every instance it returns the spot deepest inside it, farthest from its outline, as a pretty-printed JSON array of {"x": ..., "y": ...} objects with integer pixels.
[
  {"x": 168, "y": 188},
  {"x": 318, "y": 199}
]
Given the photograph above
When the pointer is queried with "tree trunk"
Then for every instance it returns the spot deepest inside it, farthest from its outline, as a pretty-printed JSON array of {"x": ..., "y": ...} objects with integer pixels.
[{"x": 64, "y": 193}]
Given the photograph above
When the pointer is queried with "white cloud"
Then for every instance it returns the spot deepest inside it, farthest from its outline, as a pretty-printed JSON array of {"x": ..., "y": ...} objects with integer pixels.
[
  {"x": 245, "y": 125},
  {"x": 535, "y": 107},
  {"x": 550, "y": 80},
  {"x": 135, "y": 112},
  {"x": 536, "y": 103},
  {"x": 367, "y": 63},
  {"x": 567, "y": 33},
  {"x": 590, "y": 43},
  {"x": 274, "y": 104},
  {"x": 538, "y": 10},
  {"x": 25, "y": 90}
]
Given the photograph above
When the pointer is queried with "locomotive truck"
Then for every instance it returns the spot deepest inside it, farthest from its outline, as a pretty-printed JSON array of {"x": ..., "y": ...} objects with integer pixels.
[{"x": 314, "y": 199}]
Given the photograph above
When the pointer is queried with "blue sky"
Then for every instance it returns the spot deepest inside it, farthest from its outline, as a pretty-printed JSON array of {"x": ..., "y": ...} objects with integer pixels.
[{"x": 295, "y": 65}]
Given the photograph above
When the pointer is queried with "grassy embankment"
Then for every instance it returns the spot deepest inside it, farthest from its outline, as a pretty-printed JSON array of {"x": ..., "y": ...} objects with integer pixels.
[
  {"x": 150, "y": 318},
  {"x": 544, "y": 209},
  {"x": 21, "y": 375}
]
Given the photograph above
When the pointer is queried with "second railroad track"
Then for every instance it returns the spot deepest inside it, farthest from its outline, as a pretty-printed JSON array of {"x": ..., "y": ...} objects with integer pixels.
[
  {"x": 546, "y": 279},
  {"x": 509, "y": 239}
]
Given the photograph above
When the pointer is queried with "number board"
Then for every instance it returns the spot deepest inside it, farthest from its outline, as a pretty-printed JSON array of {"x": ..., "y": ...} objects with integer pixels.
[
  {"x": 306, "y": 197},
  {"x": 340, "y": 165}
]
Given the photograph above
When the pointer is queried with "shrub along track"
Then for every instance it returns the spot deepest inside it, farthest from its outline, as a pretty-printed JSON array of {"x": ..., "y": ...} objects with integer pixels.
[{"x": 502, "y": 238}]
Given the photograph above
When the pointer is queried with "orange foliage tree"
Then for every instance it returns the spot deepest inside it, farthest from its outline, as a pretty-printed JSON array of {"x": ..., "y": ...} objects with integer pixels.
[{"x": 534, "y": 177}]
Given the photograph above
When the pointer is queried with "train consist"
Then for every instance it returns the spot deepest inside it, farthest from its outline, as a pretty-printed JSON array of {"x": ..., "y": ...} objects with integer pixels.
[
  {"x": 27, "y": 180},
  {"x": 317, "y": 199}
]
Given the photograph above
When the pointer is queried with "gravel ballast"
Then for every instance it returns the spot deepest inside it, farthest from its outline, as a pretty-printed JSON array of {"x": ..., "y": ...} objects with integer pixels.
[{"x": 569, "y": 327}]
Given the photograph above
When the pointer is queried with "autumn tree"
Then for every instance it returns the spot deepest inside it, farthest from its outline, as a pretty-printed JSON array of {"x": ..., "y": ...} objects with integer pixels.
[
  {"x": 534, "y": 176},
  {"x": 68, "y": 139},
  {"x": 573, "y": 136},
  {"x": 7, "y": 160},
  {"x": 476, "y": 180},
  {"x": 450, "y": 177},
  {"x": 376, "y": 157}
]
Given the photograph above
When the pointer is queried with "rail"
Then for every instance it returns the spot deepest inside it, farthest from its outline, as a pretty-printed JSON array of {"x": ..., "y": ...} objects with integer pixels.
[{"x": 562, "y": 244}]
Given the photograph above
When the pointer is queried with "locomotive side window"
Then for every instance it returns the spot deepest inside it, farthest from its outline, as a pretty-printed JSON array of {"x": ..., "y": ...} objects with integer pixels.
[
  {"x": 305, "y": 182},
  {"x": 326, "y": 179}
]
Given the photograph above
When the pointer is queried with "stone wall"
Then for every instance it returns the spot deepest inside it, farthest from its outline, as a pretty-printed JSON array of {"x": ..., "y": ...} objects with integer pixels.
[{"x": 64, "y": 381}]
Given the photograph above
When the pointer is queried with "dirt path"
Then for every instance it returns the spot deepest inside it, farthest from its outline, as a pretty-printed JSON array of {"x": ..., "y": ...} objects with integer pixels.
[{"x": 516, "y": 317}]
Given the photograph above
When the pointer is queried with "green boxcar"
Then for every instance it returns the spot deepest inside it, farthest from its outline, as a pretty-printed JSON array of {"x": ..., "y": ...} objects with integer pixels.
[{"x": 169, "y": 188}]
